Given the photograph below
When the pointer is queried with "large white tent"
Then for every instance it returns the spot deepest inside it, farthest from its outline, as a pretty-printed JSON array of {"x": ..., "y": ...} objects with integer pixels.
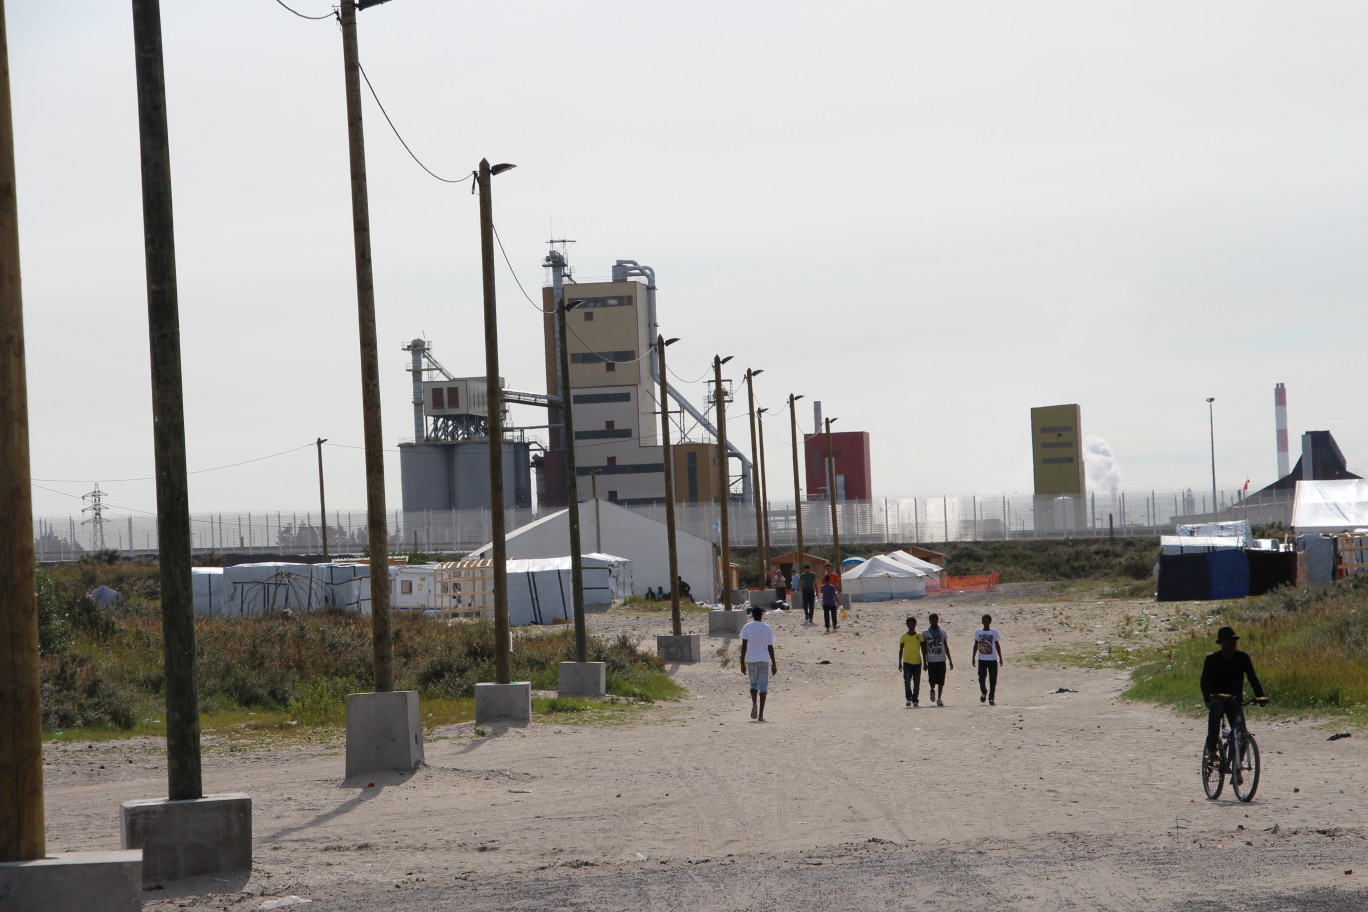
[
  {"x": 881, "y": 579},
  {"x": 616, "y": 531},
  {"x": 274, "y": 586},
  {"x": 1327, "y": 507}
]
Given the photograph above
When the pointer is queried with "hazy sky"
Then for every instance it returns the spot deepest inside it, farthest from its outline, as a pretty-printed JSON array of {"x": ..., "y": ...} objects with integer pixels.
[{"x": 931, "y": 216}]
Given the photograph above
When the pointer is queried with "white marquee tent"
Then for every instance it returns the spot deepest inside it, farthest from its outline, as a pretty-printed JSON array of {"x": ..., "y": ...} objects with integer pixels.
[
  {"x": 880, "y": 579},
  {"x": 1326, "y": 507},
  {"x": 625, "y": 534}
]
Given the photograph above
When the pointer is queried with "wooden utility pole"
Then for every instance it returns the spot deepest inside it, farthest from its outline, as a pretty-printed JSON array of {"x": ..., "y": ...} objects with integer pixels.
[
  {"x": 755, "y": 476},
  {"x": 676, "y": 623},
  {"x": 376, "y": 526},
  {"x": 21, "y": 730},
  {"x": 571, "y": 484},
  {"x": 503, "y": 665},
  {"x": 764, "y": 479},
  {"x": 322, "y": 501},
  {"x": 831, "y": 490},
  {"x": 718, "y": 361},
  {"x": 797, "y": 494},
  {"x": 168, "y": 412}
]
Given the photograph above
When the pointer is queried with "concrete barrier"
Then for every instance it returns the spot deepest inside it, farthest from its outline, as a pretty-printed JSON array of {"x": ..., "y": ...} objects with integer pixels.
[
  {"x": 384, "y": 732},
  {"x": 683, "y": 648},
  {"x": 508, "y": 704},
  {"x": 74, "y": 882},
  {"x": 190, "y": 838},
  {"x": 583, "y": 679},
  {"x": 727, "y": 623}
]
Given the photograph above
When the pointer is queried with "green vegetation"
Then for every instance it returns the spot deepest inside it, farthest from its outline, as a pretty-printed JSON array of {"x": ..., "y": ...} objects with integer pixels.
[
  {"x": 102, "y": 668},
  {"x": 1310, "y": 648}
]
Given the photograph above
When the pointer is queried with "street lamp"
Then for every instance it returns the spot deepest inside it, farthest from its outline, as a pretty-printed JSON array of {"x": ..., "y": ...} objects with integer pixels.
[
  {"x": 764, "y": 485},
  {"x": 494, "y": 398},
  {"x": 571, "y": 485},
  {"x": 718, "y": 361},
  {"x": 831, "y": 495},
  {"x": 322, "y": 503},
  {"x": 797, "y": 494},
  {"x": 755, "y": 474},
  {"x": 676, "y": 624},
  {"x": 1211, "y": 418}
]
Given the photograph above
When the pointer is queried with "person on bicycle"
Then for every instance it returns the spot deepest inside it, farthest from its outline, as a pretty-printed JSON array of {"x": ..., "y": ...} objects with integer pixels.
[{"x": 1223, "y": 674}]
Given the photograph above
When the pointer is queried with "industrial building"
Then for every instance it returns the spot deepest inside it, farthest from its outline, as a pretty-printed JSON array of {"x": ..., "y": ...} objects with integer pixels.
[
  {"x": 850, "y": 459},
  {"x": 1057, "y": 457},
  {"x": 615, "y": 392}
]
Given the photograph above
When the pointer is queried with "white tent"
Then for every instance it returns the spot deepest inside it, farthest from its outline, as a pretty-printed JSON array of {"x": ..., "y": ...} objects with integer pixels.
[
  {"x": 259, "y": 588},
  {"x": 916, "y": 563},
  {"x": 1327, "y": 507},
  {"x": 1237, "y": 529},
  {"x": 1197, "y": 544},
  {"x": 880, "y": 579},
  {"x": 207, "y": 584},
  {"x": 638, "y": 539}
]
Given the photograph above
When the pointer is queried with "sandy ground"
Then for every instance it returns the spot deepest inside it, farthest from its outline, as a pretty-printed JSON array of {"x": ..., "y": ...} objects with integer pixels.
[{"x": 844, "y": 799}]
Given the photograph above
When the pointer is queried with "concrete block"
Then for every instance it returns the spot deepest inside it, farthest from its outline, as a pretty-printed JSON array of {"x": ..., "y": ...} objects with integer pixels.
[
  {"x": 727, "y": 623},
  {"x": 198, "y": 836},
  {"x": 683, "y": 648},
  {"x": 761, "y": 598},
  {"x": 583, "y": 679},
  {"x": 74, "y": 882},
  {"x": 384, "y": 732},
  {"x": 509, "y": 704}
]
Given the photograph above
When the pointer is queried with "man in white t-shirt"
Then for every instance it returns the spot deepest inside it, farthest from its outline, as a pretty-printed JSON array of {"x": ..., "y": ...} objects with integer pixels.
[
  {"x": 757, "y": 644},
  {"x": 988, "y": 656}
]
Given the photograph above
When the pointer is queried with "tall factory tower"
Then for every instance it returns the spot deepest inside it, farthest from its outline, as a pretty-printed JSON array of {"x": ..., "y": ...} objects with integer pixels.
[{"x": 1280, "y": 419}]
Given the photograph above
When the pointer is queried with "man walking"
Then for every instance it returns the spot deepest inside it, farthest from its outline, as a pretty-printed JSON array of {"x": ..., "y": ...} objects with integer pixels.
[
  {"x": 830, "y": 605},
  {"x": 808, "y": 583},
  {"x": 988, "y": 655},
  {"x": 911, "y": 650},
  {"x": 757, "y": 644},
  {"x": 937, "y": 649}
]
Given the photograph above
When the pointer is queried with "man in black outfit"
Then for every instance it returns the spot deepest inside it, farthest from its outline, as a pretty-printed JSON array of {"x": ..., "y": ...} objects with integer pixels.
[{"x": 1224, "y": 672}]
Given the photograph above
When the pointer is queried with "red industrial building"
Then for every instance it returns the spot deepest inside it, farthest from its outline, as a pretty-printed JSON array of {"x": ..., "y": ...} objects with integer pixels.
[{"x": 850, "y": 450}]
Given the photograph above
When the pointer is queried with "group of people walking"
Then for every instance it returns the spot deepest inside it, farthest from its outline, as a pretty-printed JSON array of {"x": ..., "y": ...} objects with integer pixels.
[
  {"x": 805, "y": 584},
  {"x": 929, "y": 648}
]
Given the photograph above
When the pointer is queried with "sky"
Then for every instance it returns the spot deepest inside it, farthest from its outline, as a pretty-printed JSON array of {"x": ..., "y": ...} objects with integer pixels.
[{"x": 929, "y": 216}]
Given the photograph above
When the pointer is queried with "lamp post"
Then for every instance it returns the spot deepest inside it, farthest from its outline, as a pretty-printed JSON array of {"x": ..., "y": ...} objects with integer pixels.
[
  {"x": 571, "y": 485},
  {"x": 322, "y": 501},
  {"x": 764, "y": 482},
  {"x": 831, "y": 495},
  {"x": 494, "y": 398},
  {"x": 718, "y": 361},
  {"x": 797, "y": 494},
  {"x": 755, "y": 474},
  {"x": 1211, "y": 419},
  {"x": 676, "y": 623}
]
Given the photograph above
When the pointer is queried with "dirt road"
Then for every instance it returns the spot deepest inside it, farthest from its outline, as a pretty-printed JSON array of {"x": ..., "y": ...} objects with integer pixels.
[{"x": 844, "y": 799}]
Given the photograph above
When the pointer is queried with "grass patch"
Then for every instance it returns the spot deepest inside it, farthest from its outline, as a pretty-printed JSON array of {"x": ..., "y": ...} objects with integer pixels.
[
  {"x": 1310, "y": 648},
  {"x": 102, "y": 672}
]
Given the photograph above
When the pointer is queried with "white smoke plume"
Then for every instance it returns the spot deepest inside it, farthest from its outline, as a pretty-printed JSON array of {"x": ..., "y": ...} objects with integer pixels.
[{"x": 1099, "y": 465}]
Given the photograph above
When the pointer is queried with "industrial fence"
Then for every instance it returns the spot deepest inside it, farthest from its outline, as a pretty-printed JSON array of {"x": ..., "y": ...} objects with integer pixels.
[{"x": 984, "y": 517}]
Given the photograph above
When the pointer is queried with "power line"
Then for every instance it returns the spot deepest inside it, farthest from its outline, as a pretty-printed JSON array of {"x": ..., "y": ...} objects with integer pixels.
[
  {"x": 444, "y": 180},
  {"x": 328, "y": 15},
  {"x": 154, "y": 478}
]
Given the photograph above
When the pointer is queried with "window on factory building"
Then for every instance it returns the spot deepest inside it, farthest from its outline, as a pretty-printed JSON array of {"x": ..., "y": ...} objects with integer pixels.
[
  {"x": 611, "y": 367},
  {"x": 609, "y": 425},
  {"x": 438, "y": 400},
  {"x": 453, "y": 397},
  {"x": 612, "y": 460},
  {"x": 612, "y": 496},
  {"x": 588, "y": 316},
  {"x": 597, "y": 357}
]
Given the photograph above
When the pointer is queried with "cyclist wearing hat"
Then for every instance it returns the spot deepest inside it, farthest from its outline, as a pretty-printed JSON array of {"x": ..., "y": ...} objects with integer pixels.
[{"x": 1224, "y": 672}]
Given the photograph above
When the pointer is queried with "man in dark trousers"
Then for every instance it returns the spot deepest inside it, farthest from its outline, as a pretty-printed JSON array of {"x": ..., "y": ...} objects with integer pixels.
[{"x": 1223, "y": 675}]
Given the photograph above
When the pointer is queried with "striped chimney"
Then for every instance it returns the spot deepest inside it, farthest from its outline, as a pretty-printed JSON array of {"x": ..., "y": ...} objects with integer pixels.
[{"x": 1280, "y": 419}]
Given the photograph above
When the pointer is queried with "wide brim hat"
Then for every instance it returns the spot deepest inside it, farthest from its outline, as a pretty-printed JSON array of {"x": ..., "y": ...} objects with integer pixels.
[{"x": 1226, "y": 633}]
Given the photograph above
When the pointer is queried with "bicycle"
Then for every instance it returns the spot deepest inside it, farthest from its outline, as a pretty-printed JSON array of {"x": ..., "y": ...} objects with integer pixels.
[{"x": 1237, "y": 756}]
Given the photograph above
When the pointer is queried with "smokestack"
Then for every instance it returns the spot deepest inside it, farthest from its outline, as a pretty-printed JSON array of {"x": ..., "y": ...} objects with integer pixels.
[
  {"x": 1280, "y": 421},
  {"x": 1308, "y": 458}
]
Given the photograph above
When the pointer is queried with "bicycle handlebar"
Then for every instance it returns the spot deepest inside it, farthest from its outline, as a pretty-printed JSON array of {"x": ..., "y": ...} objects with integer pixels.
[{"x": 1239, "y": 701}]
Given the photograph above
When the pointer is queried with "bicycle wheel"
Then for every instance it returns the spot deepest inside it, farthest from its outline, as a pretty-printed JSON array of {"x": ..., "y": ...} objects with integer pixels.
[
  {"x": 1247, "y": 783},
  {"x": 1213, "y": 777}
]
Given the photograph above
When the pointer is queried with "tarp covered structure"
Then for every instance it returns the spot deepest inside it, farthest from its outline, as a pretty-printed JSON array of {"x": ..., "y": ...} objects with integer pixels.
[
  {"x": 1330, "y": 506},
  {"x": 207, "y": 585},
  {"x": 1238, "y": 530},
  {"x": 880, "y": 579},
  {"x": 276, "y": 586},
  {"x": 1197, "y": 544},
  {"x": 627, "y": 535}
]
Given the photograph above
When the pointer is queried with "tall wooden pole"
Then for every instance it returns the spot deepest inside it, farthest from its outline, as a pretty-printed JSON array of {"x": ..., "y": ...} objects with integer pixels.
[
  {"x": 571, "y": 486},
  {"x": 676, "y": 622},
  {"x": 21, "y": 734},
  {"x": 797, "y": 494},
  {"x": 764, "y": 480},
  {"x": 755, "y": 476},
  {"x": 376, "y": 525},
  {"x": 322, "y": 501},
  {"x": 726, "y": 486},
  {"x": 494, "y": 396},
  {"x": 168, "y": 412},
  {"x": 831, "y": 492}
]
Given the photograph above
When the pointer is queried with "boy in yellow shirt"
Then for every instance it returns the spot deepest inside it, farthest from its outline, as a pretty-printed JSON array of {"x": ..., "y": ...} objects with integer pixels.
[{"x": 911, "y": 651}]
